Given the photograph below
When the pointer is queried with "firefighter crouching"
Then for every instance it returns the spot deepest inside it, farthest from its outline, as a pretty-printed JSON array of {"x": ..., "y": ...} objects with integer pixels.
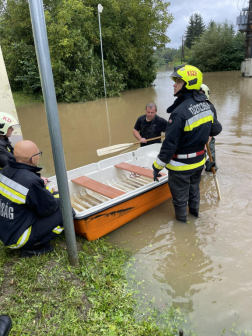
[
  {"x": 191, "y": 123},
  {"x": 30, "y": 215}
]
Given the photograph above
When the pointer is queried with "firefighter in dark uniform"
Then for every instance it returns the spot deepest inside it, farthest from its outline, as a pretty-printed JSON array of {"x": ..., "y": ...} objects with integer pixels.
[
  {"x": 205, "y": 89},
  {"x": 30, "y": 214},
  {"x": 7, "y": 124},
  {"x": 149, "y": 126},
  {"x": 191, "y": 123}
]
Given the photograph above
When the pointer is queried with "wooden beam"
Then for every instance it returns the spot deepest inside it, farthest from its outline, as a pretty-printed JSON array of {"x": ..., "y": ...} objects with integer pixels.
[
  {"x": 98, "y": 187},
  {"x": 137, "y": 170}
]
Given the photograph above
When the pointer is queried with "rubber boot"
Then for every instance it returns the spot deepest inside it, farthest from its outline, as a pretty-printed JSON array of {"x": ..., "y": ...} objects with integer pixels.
[
  {"x": 35, "y": 251},
  {"x": 180, "y": 213},
  {"x": 5, "y": 325},
  {"x": 194, "y": 212}
]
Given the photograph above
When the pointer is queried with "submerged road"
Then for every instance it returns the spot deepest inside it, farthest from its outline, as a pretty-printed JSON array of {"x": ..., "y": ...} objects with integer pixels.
[{"x": 204, "y": 266}]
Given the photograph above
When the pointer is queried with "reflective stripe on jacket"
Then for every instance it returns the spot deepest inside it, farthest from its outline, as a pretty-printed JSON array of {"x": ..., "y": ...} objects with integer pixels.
[
  {"x": 191, "y": 122},
  {"x": 23, "y": 200}
]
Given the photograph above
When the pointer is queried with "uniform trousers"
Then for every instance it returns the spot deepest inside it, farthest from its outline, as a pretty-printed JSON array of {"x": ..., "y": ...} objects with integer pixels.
[
  {"x": 43, "y": 229},
  {"x": 184, "y": 187}
]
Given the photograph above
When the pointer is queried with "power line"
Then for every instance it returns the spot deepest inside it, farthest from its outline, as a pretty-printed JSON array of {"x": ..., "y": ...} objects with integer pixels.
[
  {"x": 184, "y": 6},
  {"x": 194, "y": 8},
  {"x": 238, "y": 4},
  {"x": 243, "y": 3},
  {"x": 199, "y": 5}
]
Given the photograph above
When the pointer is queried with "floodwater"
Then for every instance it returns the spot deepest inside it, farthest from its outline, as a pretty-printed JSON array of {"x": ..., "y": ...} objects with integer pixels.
[{"x": 205, "y": 266}]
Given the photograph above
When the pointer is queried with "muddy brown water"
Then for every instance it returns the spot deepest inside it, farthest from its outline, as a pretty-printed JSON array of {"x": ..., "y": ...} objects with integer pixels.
[{"x": 205, "y": 266}]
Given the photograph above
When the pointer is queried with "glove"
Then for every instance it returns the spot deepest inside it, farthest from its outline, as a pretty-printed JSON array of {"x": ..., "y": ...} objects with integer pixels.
[
  {"x": 209, "y": 165},
  {"x": 156, "y": 172},
  {"x": 73, "y": 212}
]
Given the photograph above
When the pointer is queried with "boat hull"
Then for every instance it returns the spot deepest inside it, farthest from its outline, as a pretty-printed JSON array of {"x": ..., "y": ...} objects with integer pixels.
[{"x": 103, "y": 222}]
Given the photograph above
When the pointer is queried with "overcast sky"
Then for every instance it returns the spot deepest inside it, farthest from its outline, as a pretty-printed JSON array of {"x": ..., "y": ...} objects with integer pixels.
[{"x": 217, "y": 10}]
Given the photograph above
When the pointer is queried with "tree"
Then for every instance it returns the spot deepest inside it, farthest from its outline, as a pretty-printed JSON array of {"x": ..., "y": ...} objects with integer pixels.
[
  {"x": 130, "y": 30},
  {"x": 211, "y": 24},
  {"x": 218, "y": 48},
  {"x": 194, "y": 29},
  {"x": 164, "y": 56}
]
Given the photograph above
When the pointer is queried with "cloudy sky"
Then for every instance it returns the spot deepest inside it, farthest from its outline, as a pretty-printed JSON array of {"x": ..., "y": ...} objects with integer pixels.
[{"x": 217, "y": 10}]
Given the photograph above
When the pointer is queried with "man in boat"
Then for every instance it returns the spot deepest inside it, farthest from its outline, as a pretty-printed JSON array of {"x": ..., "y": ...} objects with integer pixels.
[
  {"x": 205, "y": 89},
  {"x": 190, "y": 124},
  {"x": 149, "y": 126},
  {"x": 30, "y": 214},
  {"x": 7, "y": 125}
]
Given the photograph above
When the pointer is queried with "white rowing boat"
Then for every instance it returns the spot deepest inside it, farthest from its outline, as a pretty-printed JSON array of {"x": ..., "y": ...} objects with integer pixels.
[{"x": 113, "y": 191}]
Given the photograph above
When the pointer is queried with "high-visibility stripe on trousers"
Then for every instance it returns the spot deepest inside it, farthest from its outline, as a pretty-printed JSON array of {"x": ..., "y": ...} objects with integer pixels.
[
  {"x": 179, "y": 166},
  {"x": 22, "y": 240},
  {"x": 25, "y": 237}
]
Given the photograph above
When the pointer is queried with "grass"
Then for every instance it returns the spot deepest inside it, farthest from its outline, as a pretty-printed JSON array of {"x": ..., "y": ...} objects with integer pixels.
[
  {"x": 21, "y": 98},
  {"x": 45, "y": 296}
]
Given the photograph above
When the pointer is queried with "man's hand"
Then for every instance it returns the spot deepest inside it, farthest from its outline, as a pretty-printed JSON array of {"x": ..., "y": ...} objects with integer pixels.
[
  {"x": 143, "y": 140},
  {"x": 156, "y": 173},
  {"x": 45, "y": 179}
]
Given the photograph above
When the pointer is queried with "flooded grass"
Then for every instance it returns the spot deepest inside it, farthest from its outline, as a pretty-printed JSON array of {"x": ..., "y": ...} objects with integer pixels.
[
  {"x": 45, "y": 296},
  {"x": 21, "y": 98}
]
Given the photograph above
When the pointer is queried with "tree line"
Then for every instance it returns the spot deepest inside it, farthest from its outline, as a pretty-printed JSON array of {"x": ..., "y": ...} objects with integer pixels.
[
  {"x": 131, "y": 30},
  {"x": 215, "y": 47}
]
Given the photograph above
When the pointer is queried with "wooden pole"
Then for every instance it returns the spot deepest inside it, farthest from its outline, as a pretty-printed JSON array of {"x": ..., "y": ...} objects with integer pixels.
[{"x": 213, "y": 171}]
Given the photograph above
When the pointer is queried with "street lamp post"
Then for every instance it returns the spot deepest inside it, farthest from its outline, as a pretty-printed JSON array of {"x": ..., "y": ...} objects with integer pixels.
[
  {"x": 100, "y": 9},
  {"x": 46, "y": 77}
]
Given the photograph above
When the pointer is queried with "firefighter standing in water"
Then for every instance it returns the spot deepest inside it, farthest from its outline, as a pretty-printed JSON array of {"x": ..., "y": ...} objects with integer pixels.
[
  {"x": 205, "y": 89},
  {"x": 191, "y": 123}
]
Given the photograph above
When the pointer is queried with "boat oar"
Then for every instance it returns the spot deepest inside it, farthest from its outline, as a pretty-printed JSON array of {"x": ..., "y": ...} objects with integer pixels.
[
  {"x": 117, "y": 148},
  {"x": 214, "y": 172}
]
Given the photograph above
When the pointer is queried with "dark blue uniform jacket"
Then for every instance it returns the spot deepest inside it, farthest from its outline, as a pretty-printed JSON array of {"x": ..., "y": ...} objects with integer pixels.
[{"x": 23, "y": 199}]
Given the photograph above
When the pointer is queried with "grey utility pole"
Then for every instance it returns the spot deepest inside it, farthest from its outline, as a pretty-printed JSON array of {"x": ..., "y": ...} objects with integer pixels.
[
  {"x": 248, "y": 48},
  {"x": 46, "y": 77},
  {"x": 182, "y": 50},
  {"x": 100, "y": 9}
]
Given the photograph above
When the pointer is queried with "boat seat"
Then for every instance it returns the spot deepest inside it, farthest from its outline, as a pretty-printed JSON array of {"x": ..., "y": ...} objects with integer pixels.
[
  {"x": 98, "y": 187},
  {"x": 137, "y": 170}
]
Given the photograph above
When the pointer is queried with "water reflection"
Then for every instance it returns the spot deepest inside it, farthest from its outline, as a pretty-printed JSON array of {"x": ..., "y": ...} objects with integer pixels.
[
  {"x": 173, "y": 263},
  {"x": 84, "y": 126}
]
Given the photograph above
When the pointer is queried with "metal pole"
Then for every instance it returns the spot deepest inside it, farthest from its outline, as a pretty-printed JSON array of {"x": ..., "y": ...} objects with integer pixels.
[
  {"x": 100, "y": 8},
  {"x": 46, "y": 77},
  {"x": 182, "y": 50}
]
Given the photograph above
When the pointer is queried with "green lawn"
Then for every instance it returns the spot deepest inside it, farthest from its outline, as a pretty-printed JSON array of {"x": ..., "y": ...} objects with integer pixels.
[{"x": 45, "y": 296}]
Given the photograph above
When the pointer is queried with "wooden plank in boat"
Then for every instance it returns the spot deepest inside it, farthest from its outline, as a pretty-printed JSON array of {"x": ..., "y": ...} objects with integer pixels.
[
  {"x": 137, "y": 170},
  {"x": 98, "y": 187},
  {"x": 99, "y": 224}
]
